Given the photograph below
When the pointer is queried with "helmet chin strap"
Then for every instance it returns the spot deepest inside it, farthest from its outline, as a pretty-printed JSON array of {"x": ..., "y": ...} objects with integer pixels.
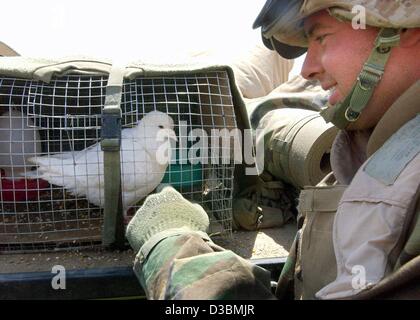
[{"x": 349, "y": 110}]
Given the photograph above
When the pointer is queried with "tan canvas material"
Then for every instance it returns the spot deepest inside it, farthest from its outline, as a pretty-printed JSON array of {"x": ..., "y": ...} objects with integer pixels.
[
  {"x": 260, "y": 71},
  {"x": 266, "y": 204},
  {"x": 317, "y": 205},
  {"x": 296, "y": 93},
  {"x": 45, "y": 69},
  {"x": 6, "y": 51}
]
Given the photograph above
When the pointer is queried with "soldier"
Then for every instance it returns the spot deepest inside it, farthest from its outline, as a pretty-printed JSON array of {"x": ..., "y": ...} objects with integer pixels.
[{"x": 360, "y": 236}]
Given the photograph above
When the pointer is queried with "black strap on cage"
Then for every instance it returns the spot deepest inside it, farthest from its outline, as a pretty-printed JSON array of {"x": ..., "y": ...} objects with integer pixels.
[{"x": 113, "y": 227}]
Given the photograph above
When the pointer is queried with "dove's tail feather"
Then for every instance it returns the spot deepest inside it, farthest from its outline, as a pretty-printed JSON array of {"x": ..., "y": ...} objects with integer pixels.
[
  {"x": 62, "y": 156},
  {"x": 51, "y": 169},
  {"x": 50, "y": 161},
  {"x": 57, "y": 178},
  {"x": 34, "y": 174}
]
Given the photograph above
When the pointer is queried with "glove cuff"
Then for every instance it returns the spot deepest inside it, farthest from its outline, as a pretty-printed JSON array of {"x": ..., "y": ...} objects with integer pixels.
[
  {"x": 155, "y": 239},
  {"x": 163, "y": 211}
]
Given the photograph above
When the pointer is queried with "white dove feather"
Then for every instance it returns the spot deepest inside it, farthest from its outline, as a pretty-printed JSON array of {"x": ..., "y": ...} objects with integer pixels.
[{"x": 81, "y": 172}]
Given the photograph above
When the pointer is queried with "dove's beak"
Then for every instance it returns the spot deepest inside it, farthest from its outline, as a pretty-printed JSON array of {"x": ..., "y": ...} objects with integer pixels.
[
  {"x": 165, "y": 134},
  {"x": 172, "y": 134}
]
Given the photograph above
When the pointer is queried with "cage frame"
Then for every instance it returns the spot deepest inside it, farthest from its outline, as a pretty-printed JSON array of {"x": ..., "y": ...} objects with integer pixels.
[{"x": 46, "y": 70}]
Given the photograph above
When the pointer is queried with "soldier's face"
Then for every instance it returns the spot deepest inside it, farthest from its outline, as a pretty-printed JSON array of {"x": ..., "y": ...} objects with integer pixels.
[{"x": 335, "y": 57}]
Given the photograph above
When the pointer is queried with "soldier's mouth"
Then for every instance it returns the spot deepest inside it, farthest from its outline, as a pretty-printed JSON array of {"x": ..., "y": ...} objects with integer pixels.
[{"x": 333, "y": 95}]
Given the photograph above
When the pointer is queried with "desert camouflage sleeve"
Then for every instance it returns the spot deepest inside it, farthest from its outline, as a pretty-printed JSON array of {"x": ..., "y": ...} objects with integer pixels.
[{"x": 188, "y": 267}]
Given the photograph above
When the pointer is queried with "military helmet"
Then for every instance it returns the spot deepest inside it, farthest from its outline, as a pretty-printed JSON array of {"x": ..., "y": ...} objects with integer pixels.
[{"x": 281, "y": 21}]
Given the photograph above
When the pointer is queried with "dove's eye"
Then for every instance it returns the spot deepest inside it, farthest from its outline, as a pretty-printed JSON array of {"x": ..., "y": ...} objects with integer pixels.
[{"x": 160, "y": 127}]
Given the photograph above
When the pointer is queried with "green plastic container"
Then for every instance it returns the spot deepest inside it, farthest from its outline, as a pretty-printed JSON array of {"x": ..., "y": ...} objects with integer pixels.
[{"x": 183, "y": 175}]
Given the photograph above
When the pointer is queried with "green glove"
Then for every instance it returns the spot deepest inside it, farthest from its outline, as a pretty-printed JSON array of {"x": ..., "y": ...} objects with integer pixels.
[{"x": 163, "y": 211}]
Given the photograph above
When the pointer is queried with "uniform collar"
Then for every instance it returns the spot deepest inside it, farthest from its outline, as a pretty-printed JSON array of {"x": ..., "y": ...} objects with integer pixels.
[
  {"x": 351, "y": 148},
  {"x": 403, "y": 110}
]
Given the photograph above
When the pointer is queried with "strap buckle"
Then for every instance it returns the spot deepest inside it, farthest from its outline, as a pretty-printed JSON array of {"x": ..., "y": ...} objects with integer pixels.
[
  {"x": 111, "y": 129},
  {"x": 369, "y": 77},
  {"x": 351, "y": 115},
  {"x": 387, "y": 39}
]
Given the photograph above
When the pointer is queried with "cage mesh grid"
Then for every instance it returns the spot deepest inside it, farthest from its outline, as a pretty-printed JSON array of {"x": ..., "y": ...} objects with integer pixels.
[{"x": 64, "y": 116}]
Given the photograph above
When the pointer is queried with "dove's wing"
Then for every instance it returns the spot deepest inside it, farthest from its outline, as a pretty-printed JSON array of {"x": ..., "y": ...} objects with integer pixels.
[
  {"x": 89, "y": 178},
  {"x": 141, "y": 173},
  {"x": 134, "y": 170},
  {"x": 79, "y": 172}
]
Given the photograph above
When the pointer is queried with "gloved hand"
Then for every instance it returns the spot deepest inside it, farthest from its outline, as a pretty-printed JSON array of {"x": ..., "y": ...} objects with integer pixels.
[{"x": 162, "y": 211}]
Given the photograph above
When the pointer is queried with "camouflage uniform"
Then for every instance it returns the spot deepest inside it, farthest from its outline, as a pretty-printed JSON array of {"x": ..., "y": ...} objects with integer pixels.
[
  {"x": 187, "y": 266},
  {"x": 373, "y": 192}
]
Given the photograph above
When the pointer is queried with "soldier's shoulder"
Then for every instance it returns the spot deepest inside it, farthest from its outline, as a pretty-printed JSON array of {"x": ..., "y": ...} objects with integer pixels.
[{"x": 387, "y": 163}]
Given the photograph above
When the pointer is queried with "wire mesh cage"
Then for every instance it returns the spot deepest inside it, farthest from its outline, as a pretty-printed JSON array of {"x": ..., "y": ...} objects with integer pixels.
[{"x": 55, "y": 125}]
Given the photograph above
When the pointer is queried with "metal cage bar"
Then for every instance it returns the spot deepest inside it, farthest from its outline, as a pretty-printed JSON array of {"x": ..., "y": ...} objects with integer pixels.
[{"x": 64, "y": 117}]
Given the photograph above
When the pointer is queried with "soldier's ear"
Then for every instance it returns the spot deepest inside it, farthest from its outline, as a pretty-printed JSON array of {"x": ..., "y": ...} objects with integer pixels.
[{"x": 410, "y": 37}]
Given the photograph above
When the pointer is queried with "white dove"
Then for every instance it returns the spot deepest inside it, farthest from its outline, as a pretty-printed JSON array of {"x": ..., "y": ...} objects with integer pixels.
[{"x": 145, "y": 154}]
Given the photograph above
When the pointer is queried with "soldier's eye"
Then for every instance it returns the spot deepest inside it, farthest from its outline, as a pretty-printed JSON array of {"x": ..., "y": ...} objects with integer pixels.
[{"x": 321, "y": 38}]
